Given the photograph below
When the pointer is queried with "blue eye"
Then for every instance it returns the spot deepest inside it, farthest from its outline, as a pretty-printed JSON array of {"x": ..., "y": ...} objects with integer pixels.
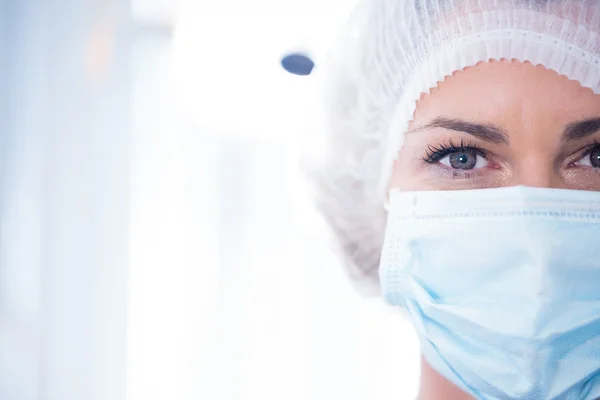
[
  {"x": 464, "y": 160},
  {"x": 591, "y": 158},
  {"x": 464, "y": 157}
]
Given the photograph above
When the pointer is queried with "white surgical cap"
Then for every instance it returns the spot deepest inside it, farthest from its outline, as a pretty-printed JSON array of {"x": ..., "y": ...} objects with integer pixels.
[{"x": 391, "y": 52}]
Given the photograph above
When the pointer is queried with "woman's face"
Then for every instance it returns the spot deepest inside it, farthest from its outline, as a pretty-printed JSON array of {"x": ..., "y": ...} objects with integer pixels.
[{"x": 502, "y": 124}]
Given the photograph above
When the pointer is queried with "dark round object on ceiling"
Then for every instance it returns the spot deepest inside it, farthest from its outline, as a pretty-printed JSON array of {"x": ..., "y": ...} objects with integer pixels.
[{"x": 297, "y": 64}]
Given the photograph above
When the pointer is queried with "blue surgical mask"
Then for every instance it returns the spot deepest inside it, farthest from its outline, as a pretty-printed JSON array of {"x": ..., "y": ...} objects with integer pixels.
[{"x": 503, "y": 287}]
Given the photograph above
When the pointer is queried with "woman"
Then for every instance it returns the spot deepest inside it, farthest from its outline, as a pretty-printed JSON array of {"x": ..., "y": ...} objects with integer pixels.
[{"x": 473, "y": 128}]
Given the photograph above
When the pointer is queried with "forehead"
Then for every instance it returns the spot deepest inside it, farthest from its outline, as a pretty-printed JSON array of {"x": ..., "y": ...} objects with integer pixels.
[{"x": 510, "y": 94}]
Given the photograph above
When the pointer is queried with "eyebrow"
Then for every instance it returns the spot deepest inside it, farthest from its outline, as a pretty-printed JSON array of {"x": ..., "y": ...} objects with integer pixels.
[
  {"x": 581, "y": 129},
  {"x": 487, "y": 132}
]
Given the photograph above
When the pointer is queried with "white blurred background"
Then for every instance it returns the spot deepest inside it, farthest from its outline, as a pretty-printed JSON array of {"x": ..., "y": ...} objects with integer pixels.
[{"x": 155, "y": 242}]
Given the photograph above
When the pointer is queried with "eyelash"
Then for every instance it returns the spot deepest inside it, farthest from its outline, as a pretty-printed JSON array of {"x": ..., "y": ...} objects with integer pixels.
[{"x": 437, "y": 153}]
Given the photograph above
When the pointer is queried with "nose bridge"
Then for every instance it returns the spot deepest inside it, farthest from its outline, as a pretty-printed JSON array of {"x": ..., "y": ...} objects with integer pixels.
[
  {"x": 538, "y": 171},
  {"x": 541, "y": 180}
]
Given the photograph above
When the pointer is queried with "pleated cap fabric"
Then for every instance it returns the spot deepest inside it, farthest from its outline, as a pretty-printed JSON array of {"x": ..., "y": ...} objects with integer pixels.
[{"x": 392, "y": 51}]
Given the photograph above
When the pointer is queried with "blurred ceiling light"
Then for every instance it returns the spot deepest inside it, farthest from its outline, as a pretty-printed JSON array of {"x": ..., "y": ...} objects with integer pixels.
[
  {"x": 297, "y": 64},
  {"x": 100, "y": 51}
]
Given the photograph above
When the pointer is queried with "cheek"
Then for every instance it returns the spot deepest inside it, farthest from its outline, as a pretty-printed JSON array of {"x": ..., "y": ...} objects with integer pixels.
[{"x": 582, "y": 179}]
